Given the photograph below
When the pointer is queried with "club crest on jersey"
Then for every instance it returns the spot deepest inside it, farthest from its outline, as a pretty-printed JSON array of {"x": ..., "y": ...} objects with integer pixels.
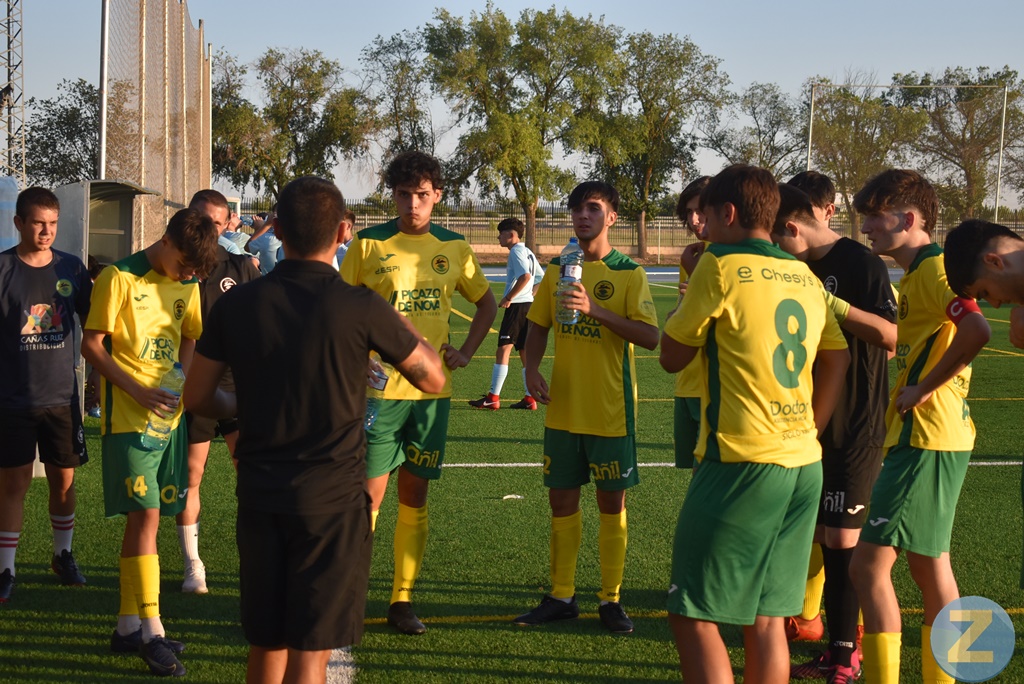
[
  {"x": 179, "y": 309},
  {"x": 440, "y": 264},
  {"x": 64, "y": 287},
  {"x": 226, "y": 284},
  {"x": 904, "y": 306},
  {"x": 604, "y": 290},
  {"x": 831, "y": 284}
]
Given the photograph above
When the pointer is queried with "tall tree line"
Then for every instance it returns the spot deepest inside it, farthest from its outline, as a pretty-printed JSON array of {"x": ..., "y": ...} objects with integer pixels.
[{"x": 521, "y": 108}]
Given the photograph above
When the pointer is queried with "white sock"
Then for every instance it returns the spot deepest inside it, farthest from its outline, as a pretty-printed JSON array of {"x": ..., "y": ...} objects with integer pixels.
[
  {"x": 525, "y": 389},
  {"x": 152, "y": 628},
  {"x": 8, "y": 545},
  {"x": 63, "y": 529},
  {"x": 128, "y": 624},
  {"x": 188, "y": 537},
  {"x": 498, "y": 375}
]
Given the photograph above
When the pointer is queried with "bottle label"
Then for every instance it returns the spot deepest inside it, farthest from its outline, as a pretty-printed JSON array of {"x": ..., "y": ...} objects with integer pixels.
[
  {"x": 574, "y": 271},
  {"x": 378, "y": 380}
]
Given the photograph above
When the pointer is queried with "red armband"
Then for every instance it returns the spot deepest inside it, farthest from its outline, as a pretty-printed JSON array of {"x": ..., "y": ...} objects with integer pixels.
[{"x": 960, "y": 307}]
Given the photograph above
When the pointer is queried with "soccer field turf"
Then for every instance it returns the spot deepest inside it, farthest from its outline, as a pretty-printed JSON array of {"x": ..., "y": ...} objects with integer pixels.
[{"x": 487, "y": 555}]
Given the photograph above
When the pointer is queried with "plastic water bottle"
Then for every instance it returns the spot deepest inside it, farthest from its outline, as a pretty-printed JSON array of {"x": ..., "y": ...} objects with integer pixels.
[
  {"x": 570, "y": 271},
  {"x": 158, "y": 429},
  {"x": 375, "y": 384}
]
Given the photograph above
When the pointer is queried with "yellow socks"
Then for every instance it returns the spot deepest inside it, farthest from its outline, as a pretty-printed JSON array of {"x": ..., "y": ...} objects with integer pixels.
[
  {"x": 566, "y": 535},
  {"x": 128, "y": 604},
  {"x": 612, "y": 546},
  {"x": 882, "y": 658},
  {"x": 373, "y": 520},
  {"x": 931, "y": 673},
  {"x": 144, "y": 577},
  {"x": 410, "y": 543},
  {"x": 815, "y": 584}
]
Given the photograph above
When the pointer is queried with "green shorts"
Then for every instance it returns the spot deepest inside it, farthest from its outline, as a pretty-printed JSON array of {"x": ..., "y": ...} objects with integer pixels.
[
  {"x": 686, "y": 429},
  {"x": 571, "y": 459},
  {"x": 914, "y": 500},
  {"x": 411, "y": 433},
  {"x": 136, "y": 478},
  {"x": 743, "y": 541}
]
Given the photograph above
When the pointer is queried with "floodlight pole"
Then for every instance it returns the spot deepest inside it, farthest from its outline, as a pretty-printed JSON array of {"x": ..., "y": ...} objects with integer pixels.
[
  {"x": 810, "y": 126},
  {"x": 101, "y": 162},
  {"x": 1002, "y": 139}
]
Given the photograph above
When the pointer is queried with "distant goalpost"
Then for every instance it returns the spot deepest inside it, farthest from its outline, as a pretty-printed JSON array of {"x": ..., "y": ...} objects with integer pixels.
[{"x": 1002, "y": 134}]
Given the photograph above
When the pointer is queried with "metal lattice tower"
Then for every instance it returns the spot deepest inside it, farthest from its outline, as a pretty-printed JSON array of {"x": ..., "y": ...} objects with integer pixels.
[{"x": 12, "y": 95}]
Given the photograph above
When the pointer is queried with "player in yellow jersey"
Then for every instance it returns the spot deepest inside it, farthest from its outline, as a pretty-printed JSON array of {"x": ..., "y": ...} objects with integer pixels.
[
  {"x": 744, "y": 533},
  {"x": 145, "y": 316},
  {"x": 986, "y": 261},
  {"x": 686, "y": 422},
  {"x": 929, "y": 433},
  {"x": 418, "y": 267},
  {"x": 589, "y": 429}
]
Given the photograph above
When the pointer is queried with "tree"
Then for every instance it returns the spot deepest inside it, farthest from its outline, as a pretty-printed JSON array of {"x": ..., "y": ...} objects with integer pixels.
[
  {"x": 308, "y": 120},
  {"x": 775, "y": 137},
  {"x": 857, "y": 134},
  {"x": 519, "y": 91},
  {"x": 639, "y": 143},
  {"x": 396, "y": 80},
  {"x": 959, "y": 146},
  {"x": 62, "y": 141}
]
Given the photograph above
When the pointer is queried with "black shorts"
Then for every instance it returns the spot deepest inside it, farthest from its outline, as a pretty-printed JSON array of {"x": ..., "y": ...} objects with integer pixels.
[
  {"x": 514, "y": 326},
  {"x": 848, "y": 477},
  {"x": 202, "y": 429},
  {"x": 57, "y": 431},
  {"x": 304, "y": 578}
]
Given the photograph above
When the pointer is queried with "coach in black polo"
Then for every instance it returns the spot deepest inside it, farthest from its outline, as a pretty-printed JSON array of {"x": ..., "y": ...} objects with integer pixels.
[{"x": 303, "y": 526}]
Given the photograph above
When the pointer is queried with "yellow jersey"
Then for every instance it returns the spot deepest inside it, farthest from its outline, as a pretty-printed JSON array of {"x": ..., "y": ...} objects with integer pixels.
[
  {"x": 145, "y": 316},
  {"x": 760, "y": 316},
  {"x": 418, "y": 275},
  {"x": 923, "y": 334},
  {"x": 593, "y": 381}
]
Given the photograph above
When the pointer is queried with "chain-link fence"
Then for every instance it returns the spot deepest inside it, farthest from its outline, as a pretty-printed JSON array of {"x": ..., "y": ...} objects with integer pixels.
[
  {"x": 666, "y": 236},
  {"x": 158, "y": 108}
]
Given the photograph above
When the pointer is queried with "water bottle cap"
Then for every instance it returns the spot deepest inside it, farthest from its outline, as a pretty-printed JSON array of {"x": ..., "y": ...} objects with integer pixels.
[
  {"x": 177, "y": 364},
  {"x": 573, "y": 240}
]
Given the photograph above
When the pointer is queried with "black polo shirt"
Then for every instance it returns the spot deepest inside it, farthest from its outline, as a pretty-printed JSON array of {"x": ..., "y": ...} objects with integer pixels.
[
  {"x": 851, "y": 272},
  {"x": 297, "y": 341}
]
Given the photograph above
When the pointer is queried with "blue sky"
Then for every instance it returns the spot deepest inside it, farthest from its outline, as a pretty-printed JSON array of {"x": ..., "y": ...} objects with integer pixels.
[{"x": 781, "y": 42}]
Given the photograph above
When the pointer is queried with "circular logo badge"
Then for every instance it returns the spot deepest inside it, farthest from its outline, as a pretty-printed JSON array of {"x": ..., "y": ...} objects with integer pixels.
[
  {"x": 904, "y": 307},
  {"x": 604, "y": 290},
  {"x": 64, "y": 287},
  {"x": 972, "y": 639},
  {"x": 179, "y": 309},
  {"x": 226, "y": 284},
  {"x": 440, "y": 264},
  {"x": 831, "y": 284}
]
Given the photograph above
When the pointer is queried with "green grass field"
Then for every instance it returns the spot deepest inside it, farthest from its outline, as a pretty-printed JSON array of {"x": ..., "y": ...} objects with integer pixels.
[{"x": 487, "y": 556}]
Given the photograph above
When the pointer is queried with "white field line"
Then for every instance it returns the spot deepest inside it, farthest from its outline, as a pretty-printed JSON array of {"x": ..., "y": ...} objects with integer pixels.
[{"x": 341, "y": 669}]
